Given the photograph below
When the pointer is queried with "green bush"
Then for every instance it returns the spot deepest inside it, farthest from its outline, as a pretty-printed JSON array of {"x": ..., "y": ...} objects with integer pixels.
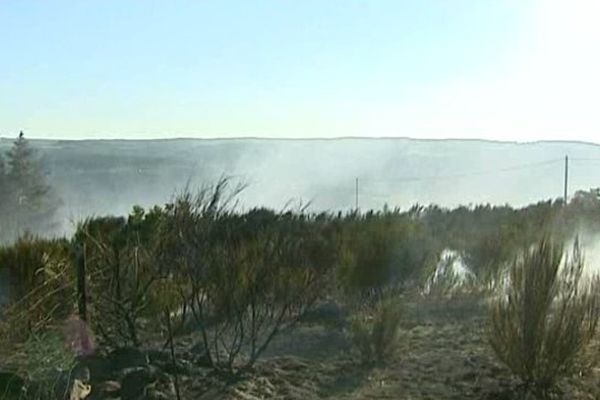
[
  {"x": 545, "y": 317},
  {"x": 383, "y": 249}
]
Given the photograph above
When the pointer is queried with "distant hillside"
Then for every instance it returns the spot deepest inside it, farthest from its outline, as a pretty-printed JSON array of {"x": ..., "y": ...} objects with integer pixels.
[{"x": 109, "y": 176}]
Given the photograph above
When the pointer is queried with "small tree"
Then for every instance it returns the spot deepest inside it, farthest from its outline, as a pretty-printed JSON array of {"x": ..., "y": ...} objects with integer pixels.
[{"x": 545, "y": 317}]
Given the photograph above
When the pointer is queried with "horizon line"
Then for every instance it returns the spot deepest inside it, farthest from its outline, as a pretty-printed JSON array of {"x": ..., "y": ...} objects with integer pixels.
[{"x": 323, "y": 138}]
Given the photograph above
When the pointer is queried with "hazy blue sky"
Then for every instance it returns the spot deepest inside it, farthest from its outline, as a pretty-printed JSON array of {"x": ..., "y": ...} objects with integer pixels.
[{"x": 519, "y": 69}]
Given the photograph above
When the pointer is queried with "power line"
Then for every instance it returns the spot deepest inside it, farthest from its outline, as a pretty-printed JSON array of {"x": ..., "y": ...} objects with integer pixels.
[
  {"x": 565, "y": 160},
  {"x": 476, "y": 173},
  {"x": 585, "y": 159}
]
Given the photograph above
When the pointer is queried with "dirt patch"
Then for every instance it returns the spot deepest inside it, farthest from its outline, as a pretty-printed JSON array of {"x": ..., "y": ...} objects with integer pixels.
[{"x": 440, "y": 358}]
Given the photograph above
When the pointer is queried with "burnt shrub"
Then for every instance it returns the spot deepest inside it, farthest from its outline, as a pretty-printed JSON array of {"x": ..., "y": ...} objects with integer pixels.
[{"x": 249, "y": 276}]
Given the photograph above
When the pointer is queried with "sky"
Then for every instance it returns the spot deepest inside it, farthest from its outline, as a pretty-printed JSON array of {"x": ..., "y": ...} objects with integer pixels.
[{"x": 520, "y": 70}]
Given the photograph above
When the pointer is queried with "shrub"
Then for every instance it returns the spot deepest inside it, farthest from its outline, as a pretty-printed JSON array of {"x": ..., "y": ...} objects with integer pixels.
[
  {"x": 42, "y": 285},
  {"x": 545, "y": 317},
  {"x": 45, "y": 363},
  {"x": 247, "y": 277},
  {"x": 374, "y": 329},
  {"x": 383, "y": 249},
  {"x": 122, "y": 269}
]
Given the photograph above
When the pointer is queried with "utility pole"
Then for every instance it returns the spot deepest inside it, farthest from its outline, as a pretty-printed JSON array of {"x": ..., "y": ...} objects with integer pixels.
[
  {"x": 356, "y": 195},
  {"x": 566, "y": 179}
]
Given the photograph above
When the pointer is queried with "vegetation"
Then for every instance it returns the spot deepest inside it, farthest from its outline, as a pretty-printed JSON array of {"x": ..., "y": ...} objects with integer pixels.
[
  {"x": 546, "y": 316},
  {"x": 374, "y": 328},
  {"x": 121, "y": 270},
  {"x": 381, "y": 249},
  {"x": 236, "y": 280},
  {"x": 42, "y": 284},
  {"x": 45, "y": 363},
  {"x": 27, "y": 203},
  {"x": 248, "y": 277}
]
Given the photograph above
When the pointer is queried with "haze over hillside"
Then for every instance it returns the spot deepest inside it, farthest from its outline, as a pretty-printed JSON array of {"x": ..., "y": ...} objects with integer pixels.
[{"x": 110, "y": 176}]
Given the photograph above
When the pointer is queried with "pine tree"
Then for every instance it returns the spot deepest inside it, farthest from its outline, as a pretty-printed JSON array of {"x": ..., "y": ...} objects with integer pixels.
[
  {"x": 3, "y": 181},
  {"x": 4, "y": 195},
  {"x": 30, "y": 202}
]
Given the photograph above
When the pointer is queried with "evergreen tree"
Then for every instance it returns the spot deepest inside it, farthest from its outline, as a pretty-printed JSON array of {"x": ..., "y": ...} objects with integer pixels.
[
  {"x": 4, "y": 193},
  {"x": 30, "y": 203},
  {"x": 3, "y": 181}
]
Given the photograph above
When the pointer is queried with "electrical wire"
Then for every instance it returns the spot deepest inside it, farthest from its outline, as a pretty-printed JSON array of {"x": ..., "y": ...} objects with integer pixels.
[{"x": 476, "y": 173}]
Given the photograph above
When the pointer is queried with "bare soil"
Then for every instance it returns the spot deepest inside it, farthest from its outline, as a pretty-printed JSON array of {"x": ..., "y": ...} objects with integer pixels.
[{"x": 443, "y": 354}]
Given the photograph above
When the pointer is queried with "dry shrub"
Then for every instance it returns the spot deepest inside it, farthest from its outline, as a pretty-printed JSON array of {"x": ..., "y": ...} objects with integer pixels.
[
  {"x": 246, "y": 277},
  {"x": 545, "y": 317},
  {"x": 44, "y": 367},
  {"x": 122, "y": 270},
  {"x": 374, "y": 329},
  {"x": 32, "y": 346},
  {"x": 42, "y": 286}
]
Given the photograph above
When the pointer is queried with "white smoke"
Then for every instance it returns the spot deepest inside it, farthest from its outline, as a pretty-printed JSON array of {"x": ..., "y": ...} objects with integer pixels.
[
  {"x": 450, "y": 273},
  {"x": 589, "y": 243}
]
